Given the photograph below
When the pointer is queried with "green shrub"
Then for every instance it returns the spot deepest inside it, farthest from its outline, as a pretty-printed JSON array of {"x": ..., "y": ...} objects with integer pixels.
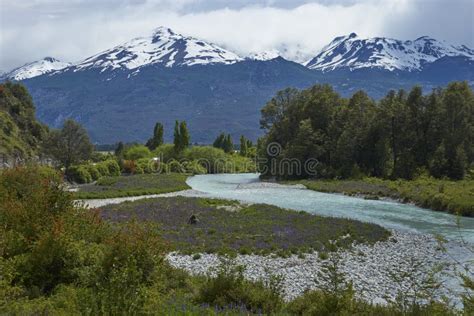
[
  {"x": 210, "y": 158},
  {"x": 137, "y": 152},
  {"x": 130, "y": 260},
  {"x": 79, "y": 174},
  {"x": 194, "y": 167},
  {"x": 92, "y": 169},
  {"x": 323, "y": 255},
  {"x": 176, "y": 166},
  {"x": 145, "y": 164},
  {"x": 102, "y": 168},
  {"x": 99, "y": 156},
  {"x": 113, "y": 166},
  {"x": 165, "y": 152},
  {"x": 325, "y": 303},
  {"x": 164, "y": 168},
  {"x": 56, "y": 258},
  {"x": 229, "y": 288},
  {"x": 204, "y": 159},
  {"x": 139, "y": 169}
]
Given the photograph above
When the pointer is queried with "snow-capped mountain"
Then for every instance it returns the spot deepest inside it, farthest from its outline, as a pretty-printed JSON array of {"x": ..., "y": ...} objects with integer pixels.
[
  {"x": 36, "y": 68},
  {"x": 353, "y": 52},
  {"x": 154, "y": 78},
  {"x": 163, "y": 47},
  {"x": 265, "y": 55}
]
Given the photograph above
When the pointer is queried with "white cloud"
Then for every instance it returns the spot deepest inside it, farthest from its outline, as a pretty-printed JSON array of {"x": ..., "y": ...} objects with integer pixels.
[{"x": 73, "y": 30}]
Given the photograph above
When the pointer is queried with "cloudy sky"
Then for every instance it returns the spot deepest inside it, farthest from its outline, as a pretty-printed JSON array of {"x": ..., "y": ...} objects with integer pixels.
[{"x": 74, "y": 29}]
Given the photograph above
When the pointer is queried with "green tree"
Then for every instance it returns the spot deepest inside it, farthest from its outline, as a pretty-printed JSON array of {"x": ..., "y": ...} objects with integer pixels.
[
  {"x": 274, "y": 110},
  {"x": 307, "y": 145},
  {"x": 157, "y": 139},
  {"x": 459, "y": 164},
  {"x": 177, "y": 136},
  {"x": 219, "y": 142},
  {"x": 401, "y": 136},
  {"x": 438, "y": 162},
  {"x": 119, "y": 149},
  {"x": 70, "y": 145},
  {"x": 458, "y": 101},
  {"x": 184, "y": 134},
  {"x": 182, "y": 138},
  {"x": 224, "y": 142},
  {"x": 228, "y": 145},
  {"x": 243, "y": 146}
]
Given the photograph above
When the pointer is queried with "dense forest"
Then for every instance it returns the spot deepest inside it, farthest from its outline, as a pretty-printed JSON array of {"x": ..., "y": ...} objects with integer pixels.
[
  {"x": 404, "y": 135},
  {"x": 20, "y": 132}
]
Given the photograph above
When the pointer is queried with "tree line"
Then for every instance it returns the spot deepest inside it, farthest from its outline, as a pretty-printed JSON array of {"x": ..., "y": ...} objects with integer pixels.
[
  {"x": 403, "y": 135},
  {"x": 226, "y": 143}
]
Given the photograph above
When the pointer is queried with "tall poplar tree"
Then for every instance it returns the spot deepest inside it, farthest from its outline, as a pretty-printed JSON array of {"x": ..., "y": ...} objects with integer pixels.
[
  {"x": 157, "y": 139},
  {"x": 177, "y": 136},
  {"x": 184, "y": 135}
]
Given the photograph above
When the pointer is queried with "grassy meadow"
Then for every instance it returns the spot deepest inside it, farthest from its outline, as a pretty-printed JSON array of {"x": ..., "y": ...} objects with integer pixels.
[
  {"x": 132, "y": 185},
  {"x": 229, "y": 227}
]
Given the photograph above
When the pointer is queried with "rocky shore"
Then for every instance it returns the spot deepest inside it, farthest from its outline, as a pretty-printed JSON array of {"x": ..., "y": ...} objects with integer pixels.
[{"x": 370, "y": 268}]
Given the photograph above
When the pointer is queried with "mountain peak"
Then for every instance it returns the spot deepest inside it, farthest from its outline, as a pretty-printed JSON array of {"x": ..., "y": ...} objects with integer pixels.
[
  {"x": 352, "y": 35},
  {"x": 163, "y": 47},
  {"x": 351, "y": 52},
  {"x": 36, "y": 68},
  {"x": 265, "y": 55},
  {"x": 163, "y": 30},
  {"x": 50, "y": 59},
  {"x": 424, "y": 38}
]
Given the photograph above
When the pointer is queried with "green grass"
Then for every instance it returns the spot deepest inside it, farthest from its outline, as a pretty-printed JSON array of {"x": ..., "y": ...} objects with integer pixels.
[
  {"x": 142, "y": 184},
  {"x": 456, "y": 197},
  {"x": 258, "y": 228}
]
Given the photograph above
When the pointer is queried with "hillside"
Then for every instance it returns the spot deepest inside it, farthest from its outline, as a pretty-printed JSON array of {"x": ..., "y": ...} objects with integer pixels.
[{"x": 20, "y": 132}]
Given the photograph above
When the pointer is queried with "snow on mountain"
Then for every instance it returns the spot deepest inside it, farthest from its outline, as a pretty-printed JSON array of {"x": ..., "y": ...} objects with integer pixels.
[
  {"x": 266, "y": 55},
  {"x": 163, "y": 47},
  {"x": 383, "y": 53},
  {"x": 36, "y": 68}
]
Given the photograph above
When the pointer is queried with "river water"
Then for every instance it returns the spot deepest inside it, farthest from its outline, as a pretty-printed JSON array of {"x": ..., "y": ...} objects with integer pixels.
[{"x": 248, "y": 188}]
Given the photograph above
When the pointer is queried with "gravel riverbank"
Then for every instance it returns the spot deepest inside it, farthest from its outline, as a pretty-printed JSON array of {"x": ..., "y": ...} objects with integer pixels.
[{"x": 370, "y": 268}]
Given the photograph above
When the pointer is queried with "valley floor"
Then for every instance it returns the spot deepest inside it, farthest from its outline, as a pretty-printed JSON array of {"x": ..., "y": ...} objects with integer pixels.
[{"x": 269, "y": 242}]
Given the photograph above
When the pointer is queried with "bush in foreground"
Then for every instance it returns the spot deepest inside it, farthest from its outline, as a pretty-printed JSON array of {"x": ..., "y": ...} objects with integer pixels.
[
  {"x": 229, "y": 288},
  {"x": 52, "y": 248}
]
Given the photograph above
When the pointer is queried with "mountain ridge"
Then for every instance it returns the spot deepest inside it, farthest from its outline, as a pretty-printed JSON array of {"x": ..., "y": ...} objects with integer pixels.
[
  {"x": 353, "y": 52},
  {"x": 168, "y": 48}
]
